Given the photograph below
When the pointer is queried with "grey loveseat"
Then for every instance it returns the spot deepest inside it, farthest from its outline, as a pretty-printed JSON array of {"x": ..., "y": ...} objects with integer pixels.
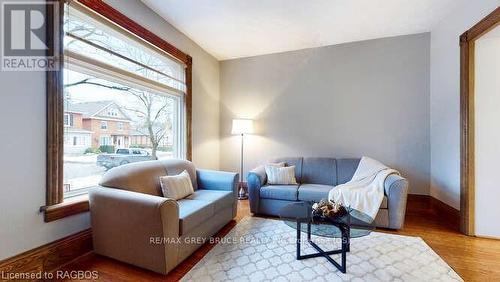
[
  {"x": 133, "y": 223},
  {"x": 315, "y": 178}
]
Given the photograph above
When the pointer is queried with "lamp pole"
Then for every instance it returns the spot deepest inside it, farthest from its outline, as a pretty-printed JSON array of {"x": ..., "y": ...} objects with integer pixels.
[
  {"x": 241, "y": 127},
  {"x": 241, "y": 194}
]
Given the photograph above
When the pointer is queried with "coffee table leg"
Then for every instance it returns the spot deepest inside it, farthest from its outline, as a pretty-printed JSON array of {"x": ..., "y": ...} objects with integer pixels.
[
  {"x": 345, "y": 247},
  {"x": 348, "y": 238},
  {"x": 326, "y": 254},
  {"x": 298, "y": 240},
  {"x": 309, "y": 231}
]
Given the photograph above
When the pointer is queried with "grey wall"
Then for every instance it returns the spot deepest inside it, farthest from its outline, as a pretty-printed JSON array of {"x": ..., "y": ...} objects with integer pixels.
[
  {"x": 364, "y": 98},
  {"x": 22, "y": 120},
  {"x": 445, "y": 97}
]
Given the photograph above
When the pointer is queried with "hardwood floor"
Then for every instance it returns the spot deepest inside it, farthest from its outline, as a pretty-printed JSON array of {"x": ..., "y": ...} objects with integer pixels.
[{"x": 474, "y": 259}]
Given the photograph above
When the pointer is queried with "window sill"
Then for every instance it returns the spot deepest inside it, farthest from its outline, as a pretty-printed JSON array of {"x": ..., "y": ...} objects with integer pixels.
[{"x": 67, "y": 208}]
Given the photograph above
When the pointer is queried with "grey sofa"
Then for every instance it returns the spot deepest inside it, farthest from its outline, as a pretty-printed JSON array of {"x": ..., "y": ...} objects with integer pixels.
[
  {"x": 316, "y": 176},
  {"x": 133, "y": 223}
]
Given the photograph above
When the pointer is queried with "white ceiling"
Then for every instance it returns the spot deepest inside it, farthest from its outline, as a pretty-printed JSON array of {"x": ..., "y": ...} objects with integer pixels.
[{"x": 240, "y": 28}]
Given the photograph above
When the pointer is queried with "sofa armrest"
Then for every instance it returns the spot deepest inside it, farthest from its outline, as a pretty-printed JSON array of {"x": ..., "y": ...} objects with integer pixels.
[
  {"x": 396, "y": 190},
  {"x": 217, "y": 180},
  {"x": 256, "y": 178},
  {"x": 260, "y": 173},
  {"x": 127, "y": 226}
]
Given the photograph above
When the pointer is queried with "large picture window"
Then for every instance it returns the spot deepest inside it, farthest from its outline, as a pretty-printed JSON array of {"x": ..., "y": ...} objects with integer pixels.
[{"x": 124, "y": 98}]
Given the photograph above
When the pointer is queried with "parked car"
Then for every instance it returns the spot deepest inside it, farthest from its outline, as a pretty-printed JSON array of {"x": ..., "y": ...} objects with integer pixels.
[{"x": 123, "y": 156}]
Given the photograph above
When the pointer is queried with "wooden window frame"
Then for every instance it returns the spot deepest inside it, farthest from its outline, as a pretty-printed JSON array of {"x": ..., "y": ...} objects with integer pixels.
[
  {"x": 467, "y": 118},
  {"x": 56, "y": 207}
]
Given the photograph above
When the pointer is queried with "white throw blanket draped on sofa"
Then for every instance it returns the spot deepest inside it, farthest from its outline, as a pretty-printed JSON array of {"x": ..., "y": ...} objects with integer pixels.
[{"x": 365, "y": 191}]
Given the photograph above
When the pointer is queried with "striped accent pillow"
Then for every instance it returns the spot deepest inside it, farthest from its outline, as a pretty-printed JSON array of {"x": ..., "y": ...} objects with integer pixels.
[
  {"x": 176, "y": 186},
  {"x": 277, "y": 175}
]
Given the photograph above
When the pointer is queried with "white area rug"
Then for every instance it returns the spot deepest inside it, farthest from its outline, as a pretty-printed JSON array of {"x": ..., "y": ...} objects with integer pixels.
[{"x": 260, "y": 249}]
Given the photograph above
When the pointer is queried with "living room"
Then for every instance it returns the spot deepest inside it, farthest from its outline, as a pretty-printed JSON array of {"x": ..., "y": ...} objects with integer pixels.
[{"x": 250, "y": 140}]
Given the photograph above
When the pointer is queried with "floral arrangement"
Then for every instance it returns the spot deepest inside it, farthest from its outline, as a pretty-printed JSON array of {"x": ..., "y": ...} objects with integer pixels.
[{"x": 328, "y": 209}]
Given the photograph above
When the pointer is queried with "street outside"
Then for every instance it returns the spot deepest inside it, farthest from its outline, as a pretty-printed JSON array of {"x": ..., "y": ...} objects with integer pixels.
[{"x": 81, "y": 171}]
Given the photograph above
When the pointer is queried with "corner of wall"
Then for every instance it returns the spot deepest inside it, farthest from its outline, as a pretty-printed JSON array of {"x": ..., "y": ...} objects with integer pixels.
[{"x": 445, "y": 97}]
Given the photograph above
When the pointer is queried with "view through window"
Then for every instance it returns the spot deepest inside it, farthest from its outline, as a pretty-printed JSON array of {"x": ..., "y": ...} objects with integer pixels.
[{"x": 123, "y": 101}]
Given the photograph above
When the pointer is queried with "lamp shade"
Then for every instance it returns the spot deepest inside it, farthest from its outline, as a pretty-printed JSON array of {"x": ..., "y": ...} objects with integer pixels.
[{"x": 242, "y": 126}]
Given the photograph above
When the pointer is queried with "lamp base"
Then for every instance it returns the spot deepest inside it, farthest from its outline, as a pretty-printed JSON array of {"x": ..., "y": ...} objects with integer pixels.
[{"x": 242, "y": 194}]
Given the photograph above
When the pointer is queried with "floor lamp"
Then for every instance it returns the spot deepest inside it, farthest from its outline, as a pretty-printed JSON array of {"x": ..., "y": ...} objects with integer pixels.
[{"x": 242, "y": 127}]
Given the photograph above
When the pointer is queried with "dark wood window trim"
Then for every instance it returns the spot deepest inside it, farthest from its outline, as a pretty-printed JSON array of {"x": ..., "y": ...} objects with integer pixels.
[
  {"x": 56, "y": 207},
  {"x": 467, "y": 154}
]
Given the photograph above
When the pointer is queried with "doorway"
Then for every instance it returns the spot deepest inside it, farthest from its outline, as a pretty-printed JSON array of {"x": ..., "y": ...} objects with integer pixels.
[{"x": 478, "y": 190}]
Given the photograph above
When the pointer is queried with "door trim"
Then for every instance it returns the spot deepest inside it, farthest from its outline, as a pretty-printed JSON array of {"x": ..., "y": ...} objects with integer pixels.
[{"x": 467, "y": 154}]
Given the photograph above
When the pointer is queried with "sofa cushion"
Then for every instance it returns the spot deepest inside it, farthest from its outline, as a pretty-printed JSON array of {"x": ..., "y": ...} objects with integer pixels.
[
  {"x": 220, "y": 199},
  {"x": 313, "y": 192},
  {"x": 279, "y": 192},
  {"x": 319, "y": 171},
  {"x": 292, "y": 161},
  {"x": 192, "y": 213},
  {"x": 346, "y": 169}
]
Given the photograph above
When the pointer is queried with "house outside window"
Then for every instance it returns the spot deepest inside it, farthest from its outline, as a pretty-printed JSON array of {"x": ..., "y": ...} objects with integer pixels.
[
  {"x": 112, "y": 112},
  {"x": 68, "y": 119},
  {"x": 104, "y": 125},
  {"x": 120, "y": 126}
]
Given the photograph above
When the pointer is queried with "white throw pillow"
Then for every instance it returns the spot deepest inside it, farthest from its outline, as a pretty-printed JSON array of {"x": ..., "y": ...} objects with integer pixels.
[
  {"x": 176, "y": 186},
  {"x": 277, "y": 175},
  {"x": 280, "y": 164}
]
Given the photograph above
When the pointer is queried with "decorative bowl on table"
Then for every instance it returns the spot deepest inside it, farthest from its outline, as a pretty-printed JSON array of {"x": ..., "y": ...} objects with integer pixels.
[{"x": 326, "y": 209}]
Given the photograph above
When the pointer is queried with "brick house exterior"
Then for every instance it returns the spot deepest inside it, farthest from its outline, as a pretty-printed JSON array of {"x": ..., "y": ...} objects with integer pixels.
[
  {"x": 103, "y": 123},
  {"x": 95, "y": 124},
  {"x": 142, "y": 140},
  {"x": 76, "y": 138},
  {"x": 108, "y": 132}
]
